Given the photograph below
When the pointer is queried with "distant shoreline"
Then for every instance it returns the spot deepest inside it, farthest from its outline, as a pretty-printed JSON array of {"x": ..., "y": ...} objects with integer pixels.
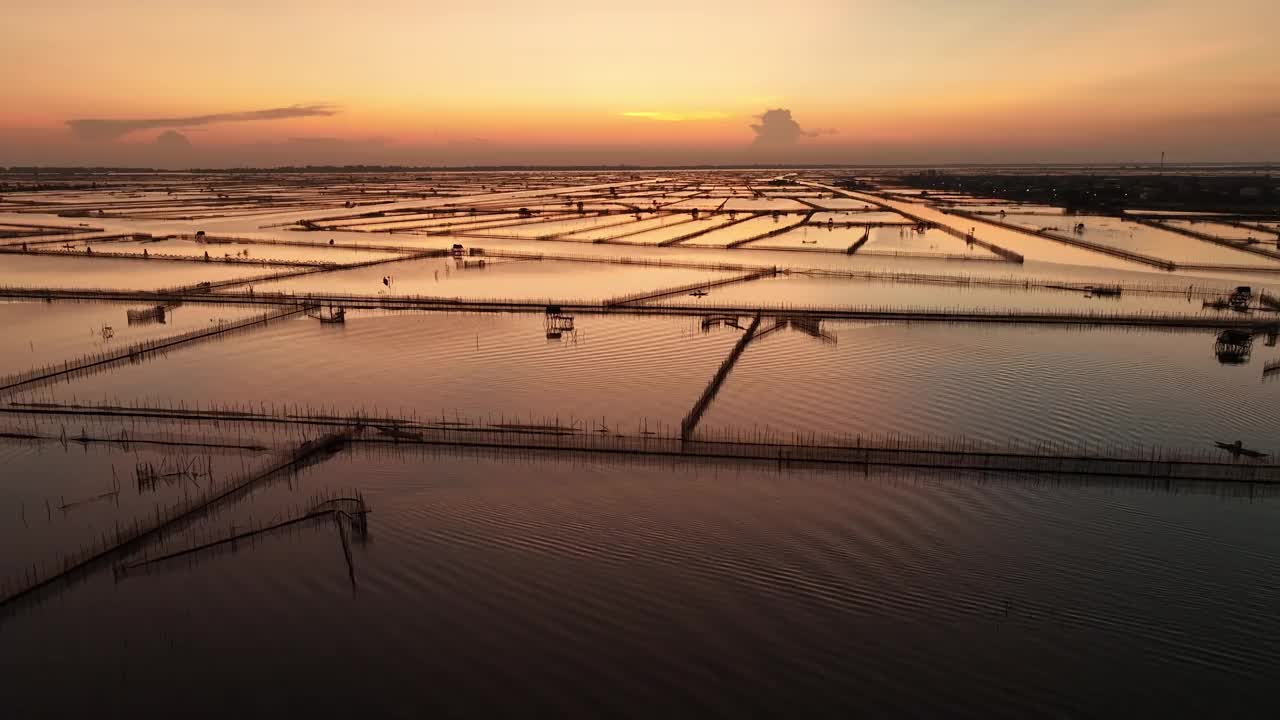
[{"x": 69, "y": 170}]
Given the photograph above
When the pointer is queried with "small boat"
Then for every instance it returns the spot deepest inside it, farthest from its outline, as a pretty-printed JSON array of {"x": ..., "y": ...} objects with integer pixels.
[
  {"x": 699, "y": 293},
  {"x": 1239, "y": 299},
  {"x": 152, "y": 314},
  {"x": 397, "y": 433},
  {"x": 1237, "y": 448},
  {"x": 329, "y": 314},
  {"x": 1233, "y": 346},
  {"x": 1104, "y": 291}
]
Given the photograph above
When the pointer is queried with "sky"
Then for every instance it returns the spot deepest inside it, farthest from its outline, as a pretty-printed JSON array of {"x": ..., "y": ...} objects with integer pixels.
[{"x": 562, "y": 82}]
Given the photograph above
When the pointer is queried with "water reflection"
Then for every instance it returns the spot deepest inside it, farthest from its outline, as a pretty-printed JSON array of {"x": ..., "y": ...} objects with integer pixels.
[{"x": 1233, "y": 347}]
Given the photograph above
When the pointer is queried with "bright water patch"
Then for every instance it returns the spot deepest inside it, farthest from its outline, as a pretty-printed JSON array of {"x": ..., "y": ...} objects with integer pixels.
[{"x": 1002, "y": 385}]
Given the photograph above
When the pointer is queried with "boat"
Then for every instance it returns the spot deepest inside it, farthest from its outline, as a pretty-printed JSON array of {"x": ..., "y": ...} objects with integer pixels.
[
  {"x": 1104, "y": 291},
  {"x": 698, "y": 293},
  {"x": 1237, "y": 448},
  {"x": 1240, "y": 298},
  {"x": 1233, "y": 346},
  {"x": 152, "y": 314},
  {"x": 397, "y": 433},
  {"x": 329, "y": 314}
]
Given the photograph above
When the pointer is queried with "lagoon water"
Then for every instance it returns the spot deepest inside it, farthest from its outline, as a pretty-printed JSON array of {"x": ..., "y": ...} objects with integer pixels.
[
  {"x": 532, "y": 585},
  {"x": 510, "y": 581}
]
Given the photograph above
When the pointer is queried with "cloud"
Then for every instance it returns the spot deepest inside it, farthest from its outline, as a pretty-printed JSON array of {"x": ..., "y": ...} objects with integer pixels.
[
  {"x": 100, "y": 130},
  {"x": 778, "y": 129},
  {"x": 173, "y": 140}
]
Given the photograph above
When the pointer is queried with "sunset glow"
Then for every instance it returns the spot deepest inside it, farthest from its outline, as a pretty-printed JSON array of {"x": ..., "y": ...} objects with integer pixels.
[
  {"x": 568, "y": 81},
  {"x": 591, "y": 359}
]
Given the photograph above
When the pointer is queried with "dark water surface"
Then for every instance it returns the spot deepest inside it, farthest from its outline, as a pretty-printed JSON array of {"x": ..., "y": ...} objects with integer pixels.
[{"x": 519, "y": 585}]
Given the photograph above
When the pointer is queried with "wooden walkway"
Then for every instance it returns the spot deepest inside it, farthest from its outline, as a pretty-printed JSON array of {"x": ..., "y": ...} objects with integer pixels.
[
  {"x": 166, "y": 257},
  {"x": 135, "y": 352},
  {"x": 167, "y": 519},
  {"x": 685, "y": 289},
  {"x": 1069, "y": 240},
  {"x": 440, "y": 304},
  {"x": 958, "y": 454},
  {"x": 351, "y": 508},
  {"x": 1211, "y": 239},
  {"x": 1002, "y": 252},
  {"x": 691, "y": 419}
]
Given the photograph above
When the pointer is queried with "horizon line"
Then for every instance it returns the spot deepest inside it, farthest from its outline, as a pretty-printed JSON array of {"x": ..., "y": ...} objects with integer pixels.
[{"x": 1259, "y": 164}]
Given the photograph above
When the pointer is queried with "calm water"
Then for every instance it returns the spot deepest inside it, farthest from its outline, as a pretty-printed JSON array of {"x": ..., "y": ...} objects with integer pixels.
[
  {"x": 39, "y": 334},
  {"x": 529, "y": 585},
  {"x": 615, "y": 371},
  {"x": 1000, "y": 384},
  {"x": 536, "y": 583},
  {"x": 1144, "y": 239}
]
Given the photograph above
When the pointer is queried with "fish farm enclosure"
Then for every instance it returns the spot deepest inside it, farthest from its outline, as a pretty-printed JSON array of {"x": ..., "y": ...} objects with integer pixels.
[{"x": 530, "y": 430}]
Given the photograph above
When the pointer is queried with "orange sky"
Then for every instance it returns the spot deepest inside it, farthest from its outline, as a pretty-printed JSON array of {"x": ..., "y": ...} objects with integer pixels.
[{"x": 561, "y": 81}]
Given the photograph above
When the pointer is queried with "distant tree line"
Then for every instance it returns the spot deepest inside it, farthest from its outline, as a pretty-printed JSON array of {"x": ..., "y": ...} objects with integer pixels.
[{"x": 1204, "y": 191}]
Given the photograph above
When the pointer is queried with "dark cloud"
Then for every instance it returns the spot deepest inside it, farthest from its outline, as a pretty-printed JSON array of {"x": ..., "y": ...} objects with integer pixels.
[
  {"x": 778, "y": 129},
  {"x": 173, "y": 140},
  {"x": 98, "y": 130}
]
